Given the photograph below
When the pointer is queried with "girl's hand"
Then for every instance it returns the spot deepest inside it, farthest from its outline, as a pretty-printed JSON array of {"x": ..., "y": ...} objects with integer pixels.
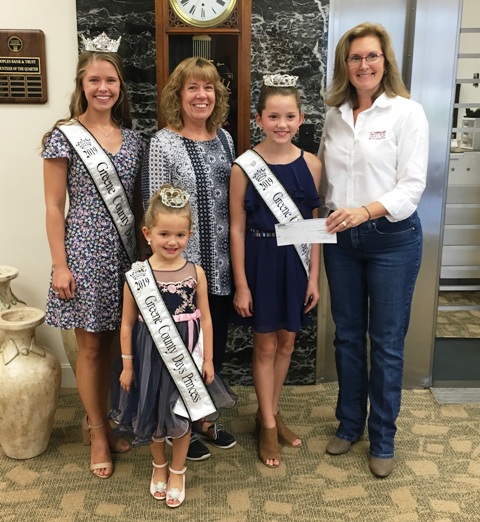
[
  {"x": 63, "y": 283},
  {"x": 312, "y": 296},
  {"x": 208, "y": 372},
  {"x": 126, "y": 379},
  {"x": 243, "y": 302}
]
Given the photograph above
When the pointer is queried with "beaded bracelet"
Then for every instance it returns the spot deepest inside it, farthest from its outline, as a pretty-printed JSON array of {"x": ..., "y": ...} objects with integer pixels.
[
  {"x": 368, "y": 212},
  {"x": 127, "y": 356}
]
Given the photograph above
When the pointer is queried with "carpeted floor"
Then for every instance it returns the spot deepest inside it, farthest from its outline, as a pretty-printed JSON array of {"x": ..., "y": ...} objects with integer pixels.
[
  {"x": 458, "y": 315},
  {"x": 436, "y": 478}
]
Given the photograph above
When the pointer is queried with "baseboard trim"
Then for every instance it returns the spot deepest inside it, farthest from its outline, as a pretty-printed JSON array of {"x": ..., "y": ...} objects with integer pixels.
[{"x": 68, "y": 377}]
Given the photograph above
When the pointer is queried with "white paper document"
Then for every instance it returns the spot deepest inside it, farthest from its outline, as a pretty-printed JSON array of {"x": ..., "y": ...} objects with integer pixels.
[{"x": 305, "y": 231}]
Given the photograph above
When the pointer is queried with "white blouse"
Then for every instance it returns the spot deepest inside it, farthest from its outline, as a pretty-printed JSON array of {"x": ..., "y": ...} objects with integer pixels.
[{"x": 382, "y": 157}]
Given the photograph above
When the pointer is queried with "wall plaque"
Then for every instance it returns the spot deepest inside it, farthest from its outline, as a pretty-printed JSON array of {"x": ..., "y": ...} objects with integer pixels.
[{"x": 23, "y": 74}]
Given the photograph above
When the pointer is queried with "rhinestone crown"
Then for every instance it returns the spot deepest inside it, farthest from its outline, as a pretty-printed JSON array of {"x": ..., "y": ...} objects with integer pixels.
[
  {"x": 174, "y": 197},
  {"x": 101, "y": 43},
  {"x": 280, "y": 80}
]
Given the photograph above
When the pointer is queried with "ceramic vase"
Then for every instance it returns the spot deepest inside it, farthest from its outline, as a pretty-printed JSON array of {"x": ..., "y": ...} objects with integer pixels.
[
  {"x": 7, "y": 297},
  {"x": 30, "y": 378},
  {"x": 70, "y": 346}
]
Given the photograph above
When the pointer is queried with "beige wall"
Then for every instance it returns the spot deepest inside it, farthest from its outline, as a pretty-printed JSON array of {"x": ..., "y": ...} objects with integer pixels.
[
  {"x": 23, "y": 241},
  {"x": 469, "y": 43}
]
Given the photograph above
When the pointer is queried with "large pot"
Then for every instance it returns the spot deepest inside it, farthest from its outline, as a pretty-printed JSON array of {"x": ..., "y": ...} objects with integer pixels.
[
  {"x": 8, "y": 299},
  {"x": 30, "y": 377}
]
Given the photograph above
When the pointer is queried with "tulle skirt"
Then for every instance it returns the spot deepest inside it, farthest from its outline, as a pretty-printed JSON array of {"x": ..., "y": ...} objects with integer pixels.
[{"x": 147, "y": 410}]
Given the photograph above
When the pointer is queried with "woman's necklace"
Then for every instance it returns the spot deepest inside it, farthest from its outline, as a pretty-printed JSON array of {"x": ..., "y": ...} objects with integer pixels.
[{"x": 106, "y": 134}]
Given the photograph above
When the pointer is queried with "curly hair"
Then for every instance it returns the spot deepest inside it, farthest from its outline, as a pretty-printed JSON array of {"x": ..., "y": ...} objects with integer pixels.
[
  {"x": 78, "y": 103},
  {"x": 342, "y": 89},
  {"x": 170, "y": 100}
]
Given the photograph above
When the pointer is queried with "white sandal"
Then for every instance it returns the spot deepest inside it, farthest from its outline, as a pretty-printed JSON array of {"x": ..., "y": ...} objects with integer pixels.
[
  {"x": 159, "y": 487},
  {"x": 175, "y": 493}
]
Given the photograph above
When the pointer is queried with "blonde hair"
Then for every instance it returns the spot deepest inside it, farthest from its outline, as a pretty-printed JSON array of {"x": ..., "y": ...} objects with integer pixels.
[
  {"x": 78, "y": 103},
  {"x": 157, "y": 206},
  {"x": 198, "y": 69},
  {"x": 391, "y": 84}
]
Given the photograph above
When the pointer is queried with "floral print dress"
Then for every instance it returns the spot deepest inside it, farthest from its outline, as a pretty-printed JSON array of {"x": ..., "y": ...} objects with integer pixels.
[{"x": 95, "y": 254}]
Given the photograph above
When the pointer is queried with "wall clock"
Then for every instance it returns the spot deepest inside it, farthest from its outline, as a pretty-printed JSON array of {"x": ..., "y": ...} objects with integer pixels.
[{"x": 203, "y": 13}]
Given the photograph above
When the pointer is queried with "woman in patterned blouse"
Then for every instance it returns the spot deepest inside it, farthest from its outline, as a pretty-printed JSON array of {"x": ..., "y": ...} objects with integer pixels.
[{"x": 194, "y": 152}]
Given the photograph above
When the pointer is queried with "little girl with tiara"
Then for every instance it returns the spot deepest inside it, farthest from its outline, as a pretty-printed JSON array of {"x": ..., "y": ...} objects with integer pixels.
[
  {"x": 275, "y": 286},
  {"x": 168, "y": 379}
]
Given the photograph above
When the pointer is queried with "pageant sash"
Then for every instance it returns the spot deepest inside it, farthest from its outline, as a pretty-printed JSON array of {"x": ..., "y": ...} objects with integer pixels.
[
  {"x": 170, "y": 346},
  {"x": 108, "y": 184},
  {"x": 275, "y": 196}
]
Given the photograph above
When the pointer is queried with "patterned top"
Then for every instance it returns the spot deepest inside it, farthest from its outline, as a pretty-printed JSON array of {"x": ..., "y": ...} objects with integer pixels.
[
  {"x": 178, "y": 288},
  {"x": 202, "y": 168},
  {"x": 95, "y": 254}
]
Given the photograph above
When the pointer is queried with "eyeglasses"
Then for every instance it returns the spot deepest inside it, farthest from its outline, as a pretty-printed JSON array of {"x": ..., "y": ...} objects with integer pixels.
[{"x": 355, "y": 59}]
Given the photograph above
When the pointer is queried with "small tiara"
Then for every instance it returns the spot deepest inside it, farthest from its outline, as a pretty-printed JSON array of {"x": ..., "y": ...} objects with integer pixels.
[
  {"x": 280, "y": 80},
  {"x": 101, "y": 43},
  {"x": 174, "y": 197}
]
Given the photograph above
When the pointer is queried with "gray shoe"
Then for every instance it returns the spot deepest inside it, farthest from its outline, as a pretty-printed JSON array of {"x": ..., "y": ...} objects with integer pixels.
[
  {"x": 338, "y": 446},
  {"x": 381, "y": 467}
]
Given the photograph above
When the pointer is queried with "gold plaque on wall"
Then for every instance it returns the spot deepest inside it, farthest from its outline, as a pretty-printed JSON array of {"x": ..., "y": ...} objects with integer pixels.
[{"x": 23, "y": 75}]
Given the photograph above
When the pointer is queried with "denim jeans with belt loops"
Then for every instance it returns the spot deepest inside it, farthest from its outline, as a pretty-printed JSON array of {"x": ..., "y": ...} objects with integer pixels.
[{"x": 371, "y": 272}]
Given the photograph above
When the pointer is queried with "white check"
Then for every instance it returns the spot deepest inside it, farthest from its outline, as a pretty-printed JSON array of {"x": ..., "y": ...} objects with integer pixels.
[{"x": 304, "y": 231}]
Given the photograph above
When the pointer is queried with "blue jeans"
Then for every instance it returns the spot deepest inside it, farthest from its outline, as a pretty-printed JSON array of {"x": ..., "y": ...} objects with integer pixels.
[{"x": 371, "y": 272}]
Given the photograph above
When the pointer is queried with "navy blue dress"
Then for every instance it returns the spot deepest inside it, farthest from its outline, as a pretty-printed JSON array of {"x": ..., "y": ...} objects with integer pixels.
[{"x": 275, "y": 275}]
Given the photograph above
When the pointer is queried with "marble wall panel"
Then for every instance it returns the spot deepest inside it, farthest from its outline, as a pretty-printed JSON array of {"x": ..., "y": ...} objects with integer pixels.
[
  {"x": 134, "y": 21},
  {"x": 288, "y": 36}
]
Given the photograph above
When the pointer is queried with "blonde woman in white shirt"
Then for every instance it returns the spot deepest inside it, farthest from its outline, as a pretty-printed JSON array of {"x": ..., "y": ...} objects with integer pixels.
[{"x": 375, "y": 151}]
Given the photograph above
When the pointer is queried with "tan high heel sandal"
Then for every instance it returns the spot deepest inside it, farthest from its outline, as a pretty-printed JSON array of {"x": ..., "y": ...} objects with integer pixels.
[
  {"x": 285, "y": 435},
  {"x": 100, "y": 465},
  {"x": 119, "y": 446},
  {"x": 267, "y": 439}
]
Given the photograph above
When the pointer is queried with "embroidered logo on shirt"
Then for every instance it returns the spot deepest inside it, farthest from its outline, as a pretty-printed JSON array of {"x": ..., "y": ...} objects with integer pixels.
[{"x": 378, "y": 135}]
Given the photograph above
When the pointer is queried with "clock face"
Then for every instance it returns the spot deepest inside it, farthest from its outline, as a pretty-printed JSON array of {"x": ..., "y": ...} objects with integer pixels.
[{"x": 203, "y": 13}]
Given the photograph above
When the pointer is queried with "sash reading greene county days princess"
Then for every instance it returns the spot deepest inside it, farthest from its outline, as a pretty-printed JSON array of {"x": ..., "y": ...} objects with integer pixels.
[{"x": 171, "y": 347}]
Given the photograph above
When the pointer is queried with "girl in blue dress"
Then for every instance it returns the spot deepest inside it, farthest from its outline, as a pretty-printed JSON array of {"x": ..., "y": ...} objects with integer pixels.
[{"x": 273, "y": 292}]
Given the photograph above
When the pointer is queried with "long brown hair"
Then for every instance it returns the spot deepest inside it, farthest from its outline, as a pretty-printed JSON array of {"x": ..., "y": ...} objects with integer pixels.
[
  {"x": 266, "y": 91},
  {"x": 199, "y": 69},
  {"x": 342, "y": 90},
  {"x": 78, "y": 103}
]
